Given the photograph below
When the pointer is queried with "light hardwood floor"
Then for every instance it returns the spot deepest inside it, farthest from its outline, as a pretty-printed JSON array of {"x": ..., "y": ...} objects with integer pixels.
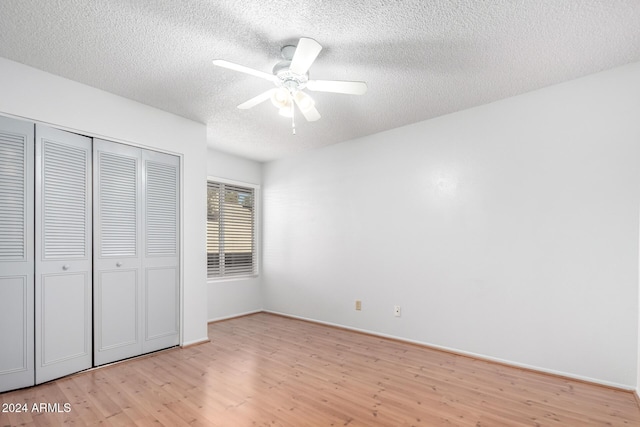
[{"x": 270, "y": 370}]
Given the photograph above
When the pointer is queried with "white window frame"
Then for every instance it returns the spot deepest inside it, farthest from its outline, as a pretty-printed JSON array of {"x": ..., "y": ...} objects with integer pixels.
[{"x": 256, "y": 229}]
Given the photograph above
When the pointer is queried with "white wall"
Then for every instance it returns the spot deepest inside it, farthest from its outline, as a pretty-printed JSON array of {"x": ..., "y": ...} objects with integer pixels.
[
  {"x": 32, "y": 94},
  {"x": 229, "y": 298},
  {"x": 508, "y": 231}
]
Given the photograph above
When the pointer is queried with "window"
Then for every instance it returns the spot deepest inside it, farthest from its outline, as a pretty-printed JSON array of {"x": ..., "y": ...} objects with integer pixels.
[{"x": 231, "y": 236}]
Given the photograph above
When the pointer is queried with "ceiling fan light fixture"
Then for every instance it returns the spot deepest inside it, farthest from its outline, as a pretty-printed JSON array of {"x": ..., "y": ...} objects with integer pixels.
[
  {"x": 304, "y": 101},
  {"x": 286, "y": 111},
  {"x": 280, "y": 98}
]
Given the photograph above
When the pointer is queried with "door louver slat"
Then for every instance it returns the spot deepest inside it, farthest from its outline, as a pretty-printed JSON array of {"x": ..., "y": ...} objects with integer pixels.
[
  {"x": 64, "y": 201},
  {"x": 161, "y": 214},
  {"x": 118, "y": 205},
  {"x": 12, "y": 197}
]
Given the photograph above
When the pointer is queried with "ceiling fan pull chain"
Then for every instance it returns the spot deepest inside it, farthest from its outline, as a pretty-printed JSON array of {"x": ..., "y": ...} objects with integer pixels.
[{"x": 293, "y": 120}]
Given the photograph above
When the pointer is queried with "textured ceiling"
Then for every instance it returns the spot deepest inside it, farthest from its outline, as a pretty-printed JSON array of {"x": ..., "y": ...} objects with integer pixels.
[{"x": 421, "y": 59}]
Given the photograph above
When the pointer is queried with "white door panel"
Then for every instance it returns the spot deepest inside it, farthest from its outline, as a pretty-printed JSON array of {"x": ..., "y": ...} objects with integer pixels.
[
  {"x": 119, "y": 328},
  {"x": 161, "y": 303},
  {"x": 117, "y": 251},
  {"x": 65, "y": 330},
  {"x": 16, "y": 332},
  {"x": 63, "y": 290},
  {"x": 161, "y": 203},
  {"x": 16, "y": 254}
]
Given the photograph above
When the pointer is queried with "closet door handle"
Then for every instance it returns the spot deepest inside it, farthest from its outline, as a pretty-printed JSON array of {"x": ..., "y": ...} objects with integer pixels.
[
  {"x": 118, "y": 264},
  {"x": 66, "y": 267}
]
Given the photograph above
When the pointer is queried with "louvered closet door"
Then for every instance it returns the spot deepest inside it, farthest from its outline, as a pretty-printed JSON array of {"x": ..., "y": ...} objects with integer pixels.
[
  {"x": 118, "y": 284},
  {"x": 16, "y": 254},
  {"x": 63, "y": 291},
  {"x": 161, "y": 250}
]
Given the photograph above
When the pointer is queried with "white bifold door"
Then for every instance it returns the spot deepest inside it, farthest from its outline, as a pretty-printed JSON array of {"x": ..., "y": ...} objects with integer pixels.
[
  {"x": 89, "y": 252},
  {"x": 136, "y": 251},
  {"x": 63, "y": 270},
  {"x": 16, "y": 254}
]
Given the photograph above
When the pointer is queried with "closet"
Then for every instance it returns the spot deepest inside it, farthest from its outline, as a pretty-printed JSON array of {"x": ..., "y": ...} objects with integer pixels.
[
  {"x": 135, "y": 252},
  {"x": 89, "y": 252}
]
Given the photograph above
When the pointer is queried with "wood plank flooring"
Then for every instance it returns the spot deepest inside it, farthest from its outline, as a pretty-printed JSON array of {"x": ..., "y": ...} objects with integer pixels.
[{"x": 264, "y": 370}]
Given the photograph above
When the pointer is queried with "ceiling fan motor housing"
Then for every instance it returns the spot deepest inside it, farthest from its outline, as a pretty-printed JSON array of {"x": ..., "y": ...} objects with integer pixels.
[{"x": 288, "y": 79}]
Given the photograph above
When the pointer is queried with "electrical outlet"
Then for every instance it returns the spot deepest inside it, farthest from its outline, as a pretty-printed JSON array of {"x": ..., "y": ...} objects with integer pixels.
[
  {"x": 396, "y": 310},
  {"x": 358, "y": 305}
]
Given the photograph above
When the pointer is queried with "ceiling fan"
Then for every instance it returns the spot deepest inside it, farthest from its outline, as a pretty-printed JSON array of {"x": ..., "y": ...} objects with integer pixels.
[{"x": 290, "y": 77}]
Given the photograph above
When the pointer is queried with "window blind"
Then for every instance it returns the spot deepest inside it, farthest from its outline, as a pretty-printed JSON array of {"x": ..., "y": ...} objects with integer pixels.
[{"x": 230, "y": 230}]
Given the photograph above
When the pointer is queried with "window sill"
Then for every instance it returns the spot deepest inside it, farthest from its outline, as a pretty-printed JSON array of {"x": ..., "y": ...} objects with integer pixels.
[{"x": 231, "y": 279}]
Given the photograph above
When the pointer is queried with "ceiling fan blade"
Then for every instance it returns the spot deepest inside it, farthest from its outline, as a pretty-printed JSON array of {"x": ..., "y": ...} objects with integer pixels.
[
  {"x": 310, "y": 113},
  {"x": 257, "y": 100},
  {"x": 237, "y": 67},
  {"x": 306, "y": 52},
  {"x": 337, "y": 86}
]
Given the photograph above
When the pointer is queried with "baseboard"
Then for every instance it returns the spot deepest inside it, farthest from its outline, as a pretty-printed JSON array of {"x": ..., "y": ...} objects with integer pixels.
[
  {"x": 194, "y": 342},
  {"x": 234, "y": 316},
  {"x": 637, "y": 396},
  {"x": 457, "y": 352}
]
